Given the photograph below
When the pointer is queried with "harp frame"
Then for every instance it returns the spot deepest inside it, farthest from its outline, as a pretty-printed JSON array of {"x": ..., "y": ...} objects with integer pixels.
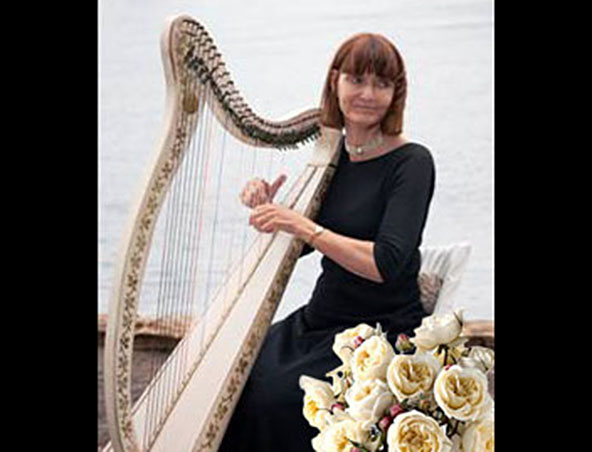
[{"x": 181, "y": 59}]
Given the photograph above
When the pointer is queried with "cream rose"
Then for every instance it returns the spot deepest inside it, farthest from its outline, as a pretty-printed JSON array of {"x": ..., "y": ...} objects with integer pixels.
[
  {"x": 340, "y": 383},
  {"x": 371, "y": 359},
  {"x": 481, "y": 358},
  {"x": 367, "y": 400},
  {"x": 438, "y": 329},
  {"x": 491, "y": 381},
  {"x": 409, "y": 375},
  {"x": 462, "y": 393},
  {"x": 344, "y": 343},
  {"x": 414, "y": 431},
  {"x": 479, "y": 436},
  {"x": 336, "y": 437},
  {"x": 484, "y": 356},
  {"x": 318, "y": 398},
  {"x": 456, "y": 444}
]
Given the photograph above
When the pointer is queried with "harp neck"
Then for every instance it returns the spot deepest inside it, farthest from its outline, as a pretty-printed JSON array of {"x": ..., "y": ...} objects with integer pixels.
[{"x": 195, "y": 71}]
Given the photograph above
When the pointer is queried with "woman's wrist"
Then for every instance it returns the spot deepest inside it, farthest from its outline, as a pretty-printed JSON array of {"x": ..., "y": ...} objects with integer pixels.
[
  {"x": 306, "y": 229},
  {"x": 313, "y": 237}
]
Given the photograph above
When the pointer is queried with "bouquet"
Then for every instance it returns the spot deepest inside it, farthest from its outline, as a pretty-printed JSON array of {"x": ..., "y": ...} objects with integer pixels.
[{"x": 428, "y": 393}]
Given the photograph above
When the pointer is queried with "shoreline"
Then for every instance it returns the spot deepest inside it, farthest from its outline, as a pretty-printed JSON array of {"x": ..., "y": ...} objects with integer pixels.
[{"x": 167, "y": 328}]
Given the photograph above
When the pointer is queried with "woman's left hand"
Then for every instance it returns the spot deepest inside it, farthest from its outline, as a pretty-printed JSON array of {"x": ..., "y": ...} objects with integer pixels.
[{"x": 273, "y": 217}]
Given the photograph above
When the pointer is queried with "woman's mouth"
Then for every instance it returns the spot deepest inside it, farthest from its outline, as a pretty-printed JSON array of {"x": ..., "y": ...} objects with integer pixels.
[{"x": 364, "y": 107}]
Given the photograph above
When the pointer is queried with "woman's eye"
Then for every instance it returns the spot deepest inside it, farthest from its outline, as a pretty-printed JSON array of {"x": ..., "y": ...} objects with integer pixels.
[{"x": 356, "y": 80}]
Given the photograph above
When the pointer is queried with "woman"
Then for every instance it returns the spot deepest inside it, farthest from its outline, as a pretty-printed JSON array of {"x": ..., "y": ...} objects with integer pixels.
[{"x": 369, "y": 229}]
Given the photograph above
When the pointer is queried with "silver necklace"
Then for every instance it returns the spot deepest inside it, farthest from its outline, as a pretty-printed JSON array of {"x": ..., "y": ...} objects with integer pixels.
[{"x": 369, "y": 146}]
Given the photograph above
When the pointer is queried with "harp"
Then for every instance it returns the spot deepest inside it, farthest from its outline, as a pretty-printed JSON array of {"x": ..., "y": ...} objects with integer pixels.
[{"x": 189, "y": 401}]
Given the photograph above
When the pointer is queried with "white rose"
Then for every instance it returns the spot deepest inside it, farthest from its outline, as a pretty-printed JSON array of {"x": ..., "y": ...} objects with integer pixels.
[
  {"x": 414, "y": 431},
  {"x": 438, "y": 329},
  {"x": 367, "y": 400},
  {"x": 371, "y": 359},
  {"x": 481, "y": 358},
  {"x": 336, "y": 437},
  {"x": 340, "y": 383},
  {"x": 484, "y": 356},
  {"x": 491, "y": 381},
  {"x": 456, "y": 444},
  {"x": 409, "y": 375},
  {"x": 344, "y": 346},
  {"x": 318, "y": 398},
  {"x": 479, "y": 436},
  {"x": 462, "y": 393},
  {"x": 456, "y": 351}
]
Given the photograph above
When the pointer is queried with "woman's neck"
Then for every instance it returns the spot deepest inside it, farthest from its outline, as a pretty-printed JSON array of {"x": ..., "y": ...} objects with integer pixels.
[{"x": 359, "y": 136}]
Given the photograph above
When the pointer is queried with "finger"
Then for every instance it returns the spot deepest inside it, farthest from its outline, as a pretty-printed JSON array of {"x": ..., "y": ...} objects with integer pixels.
[
  {"x": 276, "y": 185},
  {"x": 255, "y": 185},
  {"x": 261, "y": 220},
  {"x": 247, "y": 195},
  {"x": 266, "y": 187},
  {"x": 268, "y": 227},
  {"x": 264, "y": 226},
  {"x": 263, "y": 208},
  {"x": 261, "y": 197},
  {"x": 249, "y": 200},
  {"x": 245, "y": 200},
  {"x": 256, "y": 214}
]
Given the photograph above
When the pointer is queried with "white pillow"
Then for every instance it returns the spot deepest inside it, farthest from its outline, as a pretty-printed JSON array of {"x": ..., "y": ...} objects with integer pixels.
[{"x": 441, "y": 271}]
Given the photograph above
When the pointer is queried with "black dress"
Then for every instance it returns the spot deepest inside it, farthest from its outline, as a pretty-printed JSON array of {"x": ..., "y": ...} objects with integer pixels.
[{"x": 386, "y": 200}]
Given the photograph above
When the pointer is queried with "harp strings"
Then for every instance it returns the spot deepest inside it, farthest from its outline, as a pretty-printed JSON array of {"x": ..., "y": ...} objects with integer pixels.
[
  {"x": 164, "y": 289},
  {"x": 167, "y": 283},
  {"x": 214, "y": 265},
  {"x": 202, "y": 216},
  {"x": 183, "y": 257},
  {"x": 194, "y": 233},
  {"x": 198, "y": 178},
  {"x": 200, "y": 301},
  {"x": 217, "y": 192},
  {"x": 235, "y": 232}
]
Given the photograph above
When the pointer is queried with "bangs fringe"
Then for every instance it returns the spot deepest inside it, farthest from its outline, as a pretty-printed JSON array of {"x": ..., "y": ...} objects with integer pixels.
[{"x": 369, "y": 53}]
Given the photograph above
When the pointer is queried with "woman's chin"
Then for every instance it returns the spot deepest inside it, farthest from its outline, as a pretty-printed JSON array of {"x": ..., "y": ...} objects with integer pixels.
[{"x": 363, "y": 121}]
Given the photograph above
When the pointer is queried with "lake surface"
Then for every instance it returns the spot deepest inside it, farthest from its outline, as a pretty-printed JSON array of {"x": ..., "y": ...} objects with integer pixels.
[{"x": 277, "y": 53}]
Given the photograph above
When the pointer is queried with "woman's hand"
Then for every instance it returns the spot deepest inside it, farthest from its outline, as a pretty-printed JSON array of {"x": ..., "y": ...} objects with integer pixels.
[
  {"x": 274, "y": 217},
  {"x": 258, "y": 191},
  {"x": 354, "y": 255}
]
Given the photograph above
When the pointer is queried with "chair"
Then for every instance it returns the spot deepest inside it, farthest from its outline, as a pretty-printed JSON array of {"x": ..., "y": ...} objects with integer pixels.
[{"x": 440, "y": 274}]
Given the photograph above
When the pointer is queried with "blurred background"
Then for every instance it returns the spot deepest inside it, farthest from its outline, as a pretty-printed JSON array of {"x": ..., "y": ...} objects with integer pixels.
[{"x": 277, "y": 53}]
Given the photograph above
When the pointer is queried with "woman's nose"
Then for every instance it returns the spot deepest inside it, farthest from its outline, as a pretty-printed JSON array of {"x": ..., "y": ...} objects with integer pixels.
[{"x": 368, "y": 91}]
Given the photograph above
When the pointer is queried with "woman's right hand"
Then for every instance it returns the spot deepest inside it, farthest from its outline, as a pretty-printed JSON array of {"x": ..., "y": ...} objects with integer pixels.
[{"x": 258, "y": 191}]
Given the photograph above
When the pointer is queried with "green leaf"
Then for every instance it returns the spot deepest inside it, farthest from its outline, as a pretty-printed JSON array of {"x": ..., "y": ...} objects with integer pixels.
[{"x": 354, "y": 443}]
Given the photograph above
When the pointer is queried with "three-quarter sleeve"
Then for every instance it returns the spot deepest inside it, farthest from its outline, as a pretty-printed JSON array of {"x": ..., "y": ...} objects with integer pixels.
[{"x": 409, "y": 189}]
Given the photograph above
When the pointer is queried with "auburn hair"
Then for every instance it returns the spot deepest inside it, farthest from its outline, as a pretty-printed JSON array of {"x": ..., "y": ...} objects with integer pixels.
[{"x": 367, "y": 52}]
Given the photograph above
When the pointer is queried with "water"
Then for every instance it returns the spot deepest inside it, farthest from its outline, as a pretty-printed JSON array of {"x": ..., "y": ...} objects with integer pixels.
[{"x": 277, "y": 53}]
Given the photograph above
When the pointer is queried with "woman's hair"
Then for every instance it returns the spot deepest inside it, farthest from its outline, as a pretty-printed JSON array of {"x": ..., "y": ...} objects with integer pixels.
[{"x": 367, "y": 52}]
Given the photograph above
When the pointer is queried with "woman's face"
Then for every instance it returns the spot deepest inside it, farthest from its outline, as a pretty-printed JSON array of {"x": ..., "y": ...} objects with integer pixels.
[{"x": 364, "y": 99}]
